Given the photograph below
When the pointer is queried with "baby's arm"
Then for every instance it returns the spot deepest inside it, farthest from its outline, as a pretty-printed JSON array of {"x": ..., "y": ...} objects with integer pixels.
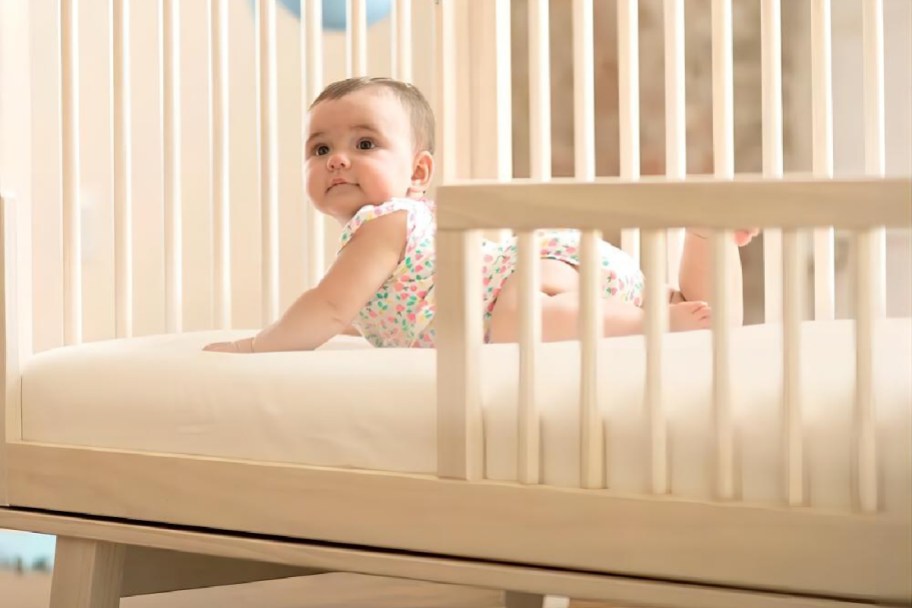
[{"x": 328, "y": 309}]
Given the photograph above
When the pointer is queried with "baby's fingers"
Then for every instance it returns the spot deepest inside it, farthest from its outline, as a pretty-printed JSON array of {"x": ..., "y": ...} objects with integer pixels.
[{"x": 221, "y": 347}]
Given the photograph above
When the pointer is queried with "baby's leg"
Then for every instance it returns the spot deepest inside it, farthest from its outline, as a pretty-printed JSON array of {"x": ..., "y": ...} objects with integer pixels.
[{"x": 559, "y": 300}]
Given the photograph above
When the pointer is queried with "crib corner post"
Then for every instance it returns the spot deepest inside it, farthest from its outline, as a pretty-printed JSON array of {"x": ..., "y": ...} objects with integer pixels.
[
  {"x": 458, "y": 322},
  {"x": 9, "y": 342}
]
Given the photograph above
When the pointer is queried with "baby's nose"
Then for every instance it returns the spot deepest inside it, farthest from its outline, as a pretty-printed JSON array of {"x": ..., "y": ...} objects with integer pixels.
[{"x": 337, "y": 161}]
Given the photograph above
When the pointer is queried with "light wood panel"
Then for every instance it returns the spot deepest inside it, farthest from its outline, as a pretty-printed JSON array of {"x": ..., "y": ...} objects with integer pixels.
[
  {"x": 658, "y": 594},
  {"x": 610, "y": 204},
  {"x": 807, "y": 550},
  {"x": 87, "y": 573}
]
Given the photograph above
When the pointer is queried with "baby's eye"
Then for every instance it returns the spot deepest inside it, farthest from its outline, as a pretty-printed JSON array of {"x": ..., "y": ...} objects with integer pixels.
[
  {"x": 366, "y": 144},
  {"x": 320, "y": 150}
]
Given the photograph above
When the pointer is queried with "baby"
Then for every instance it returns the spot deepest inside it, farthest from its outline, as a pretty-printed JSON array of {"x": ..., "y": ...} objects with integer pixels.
[{"x": 369, "y": 161}]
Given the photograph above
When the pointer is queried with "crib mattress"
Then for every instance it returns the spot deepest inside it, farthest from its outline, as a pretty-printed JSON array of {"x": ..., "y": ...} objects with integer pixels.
[{"x": 350, "y": 405}]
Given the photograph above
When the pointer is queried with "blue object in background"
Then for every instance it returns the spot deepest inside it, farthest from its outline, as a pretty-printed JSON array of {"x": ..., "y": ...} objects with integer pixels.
[{"x": 334, "y": 12}]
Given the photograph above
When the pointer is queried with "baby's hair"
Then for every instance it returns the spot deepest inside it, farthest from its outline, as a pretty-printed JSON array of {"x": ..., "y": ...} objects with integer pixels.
[{"x": 409, "y": 96}]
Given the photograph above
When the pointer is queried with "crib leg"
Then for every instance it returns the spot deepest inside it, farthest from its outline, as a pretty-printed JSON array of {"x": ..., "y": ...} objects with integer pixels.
[
  {"x": 515, "y": 599},
  {"x": 87, "y": 574}
]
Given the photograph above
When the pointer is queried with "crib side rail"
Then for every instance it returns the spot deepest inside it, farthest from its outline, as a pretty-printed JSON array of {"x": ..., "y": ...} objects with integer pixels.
[
  {"x": 654, "y": 205},
  {"x": 609, "y": 204},
  {"x": 9, "y": 349}
]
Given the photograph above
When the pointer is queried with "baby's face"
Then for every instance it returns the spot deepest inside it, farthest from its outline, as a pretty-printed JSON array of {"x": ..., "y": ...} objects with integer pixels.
[{"x": 359, "y": 151}]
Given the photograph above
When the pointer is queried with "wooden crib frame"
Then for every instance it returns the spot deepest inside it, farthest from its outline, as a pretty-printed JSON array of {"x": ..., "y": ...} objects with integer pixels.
[
  {"x": 110, "y": 506},
  {"x": 131, "y": 522}
]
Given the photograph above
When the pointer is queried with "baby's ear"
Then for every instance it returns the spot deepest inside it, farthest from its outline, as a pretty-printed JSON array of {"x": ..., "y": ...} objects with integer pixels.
[{"x": 423, "y": 171}]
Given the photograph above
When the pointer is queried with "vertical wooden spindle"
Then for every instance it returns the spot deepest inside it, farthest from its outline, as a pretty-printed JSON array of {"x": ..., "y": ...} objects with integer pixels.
[
  {"x": 358, "y": 17},
  {"x": 792, "y": 426},
  {"x": 591, "y": 330},
  {"x": 123, "y": 204},
  {"x": 721, "y": 338},
  {"x": 69, "y": 119},
  {"x": 865, "y": 427},
  {"x": 675, "y": 122},
  {"x": 656, "y": 324},
  {"x": 724, "y": 160},
  {"x": 315, "y": 223},
  {"x": 269, "y": 202},
  {"x": 771, "y": 51},
  {"x": 171, "y": 138},
  {"x": 539, "y": 91},
  {"x": 460, "y": 434},
  {"x": 404, "y": 40},
  {"x": 629, "y": 106},
  {"x": 529, "y": 340},
  {"x": 221, "y": 209},
  {"x": 875, "y": 152},
  {"x": 822, "y": 97},
  {"x": 583, "y": 91},
  {"x": 446, "y": 89}
]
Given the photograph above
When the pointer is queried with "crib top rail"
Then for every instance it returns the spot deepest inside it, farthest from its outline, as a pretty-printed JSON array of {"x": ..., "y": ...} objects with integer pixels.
[{"x": 613, "y": 204}]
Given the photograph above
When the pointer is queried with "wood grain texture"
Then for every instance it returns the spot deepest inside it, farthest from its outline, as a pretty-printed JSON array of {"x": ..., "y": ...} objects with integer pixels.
[
  {"x": 611, "y": 204},
  {"x": 87, "y": 574},
  {"x": 808, "y": 550},
  {"x": 581, "y": 586}
]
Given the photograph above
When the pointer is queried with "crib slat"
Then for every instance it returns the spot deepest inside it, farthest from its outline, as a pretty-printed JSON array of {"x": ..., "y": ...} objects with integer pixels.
[
  {"x": 629, "y": 106},
  {"x": 504, "y": 90},
  {"x": 822, "y": 97},
  {"x": 123, "y": 212},
  {"x": 349, "y": 40},
  {"x": 221, "y": 214},
  {"x": 69, "y": 95},
  {"x": 656, "y": 324},
  {"x": 721, "y": 333},
  {"x": 358, "y": 21},
  {"x": 529, "y": 340},
  {"x": 583, "y": 91},
  {"x": 591, "y": 329},
  {"x": 460, "y": 434},
  {"x": 771, "y": 51},
  {"x": 724, "y": 162},
  {"x": 675, "y": 122},
  {"x": 171, "y": 123},
  {"x": 792, "y": 425},
  {"x": 446, "y": 89},
  {"x": 875, "y": 152},
  {"x": 866, "y": 301},
  {"x": 315, "y": 224},
  {"x": 539, "y": 91},
  {"x": 269, "y": 203},
  {"x": 402, "y": 54},
  {"x": 723, "y": 104}
]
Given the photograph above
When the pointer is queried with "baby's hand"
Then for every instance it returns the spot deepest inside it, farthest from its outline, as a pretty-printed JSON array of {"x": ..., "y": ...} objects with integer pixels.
[{"x": 237, "y": 347}]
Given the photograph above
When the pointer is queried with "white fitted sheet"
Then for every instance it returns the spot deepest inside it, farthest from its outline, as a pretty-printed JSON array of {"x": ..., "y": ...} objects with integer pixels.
[{"x": 350, "y": 405}]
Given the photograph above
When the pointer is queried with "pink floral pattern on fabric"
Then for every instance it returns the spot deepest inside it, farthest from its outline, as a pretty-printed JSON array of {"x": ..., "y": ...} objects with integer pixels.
[{"x": 401, "y": 312}]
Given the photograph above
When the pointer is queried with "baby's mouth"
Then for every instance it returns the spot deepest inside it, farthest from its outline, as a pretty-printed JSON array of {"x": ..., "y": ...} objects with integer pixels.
[{"x": 335, "y": 183}]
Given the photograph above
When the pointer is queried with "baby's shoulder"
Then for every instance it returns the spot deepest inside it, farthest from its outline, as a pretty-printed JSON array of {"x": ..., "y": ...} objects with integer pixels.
[{"x": 420, "y": 214}]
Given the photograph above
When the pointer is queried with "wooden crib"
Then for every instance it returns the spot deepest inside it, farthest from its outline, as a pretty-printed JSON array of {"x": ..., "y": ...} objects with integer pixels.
[{"x": 630, "y": 470}]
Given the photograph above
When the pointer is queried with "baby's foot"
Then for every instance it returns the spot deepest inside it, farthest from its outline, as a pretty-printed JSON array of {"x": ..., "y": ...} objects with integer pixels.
[{"x": 687, "y": 316}]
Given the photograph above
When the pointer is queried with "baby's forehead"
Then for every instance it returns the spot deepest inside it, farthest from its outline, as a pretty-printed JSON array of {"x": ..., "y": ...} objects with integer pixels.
[{"x": 375, "y": 105}]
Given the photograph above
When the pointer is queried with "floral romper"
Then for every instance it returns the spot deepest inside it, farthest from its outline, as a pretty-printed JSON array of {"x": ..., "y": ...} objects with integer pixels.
[{"x": 400, "y": 314}]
